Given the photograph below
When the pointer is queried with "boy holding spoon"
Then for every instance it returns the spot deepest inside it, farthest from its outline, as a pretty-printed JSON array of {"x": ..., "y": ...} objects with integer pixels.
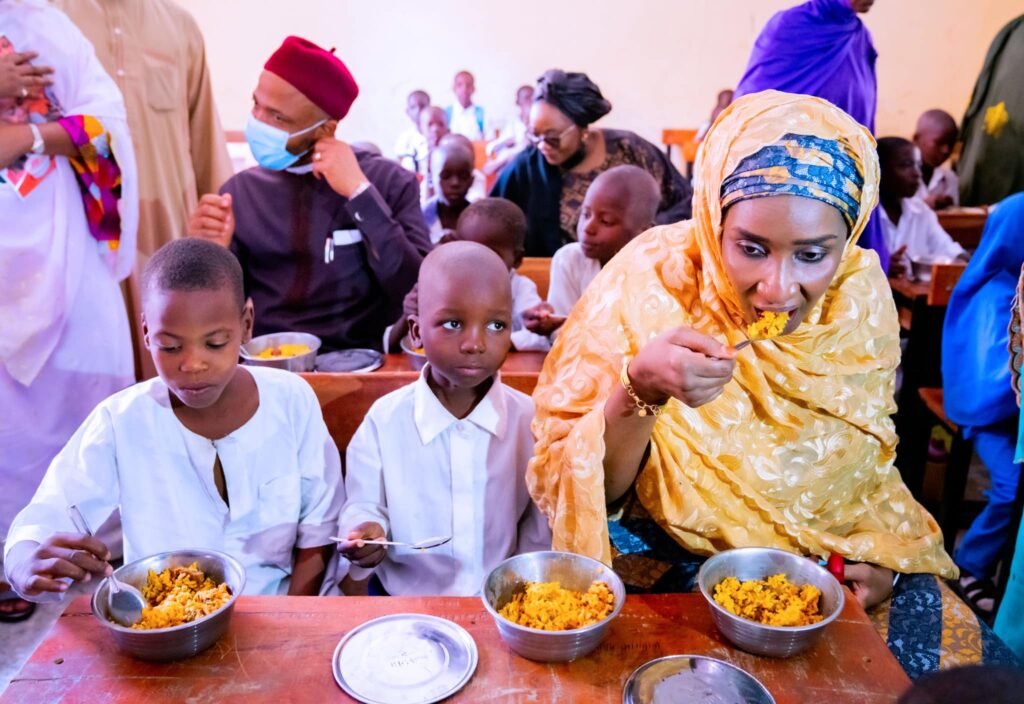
[{"x": 446, "y": 455}]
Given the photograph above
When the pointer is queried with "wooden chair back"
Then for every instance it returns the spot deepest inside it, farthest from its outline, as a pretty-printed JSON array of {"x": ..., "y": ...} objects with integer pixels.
[
  {"x": 686, "y": 140},
  {"x": 944, "y": 278},
  {"x": 346, "y": 398},
  {"x": 479, "y": 153},
  {"x": 538, "y": 270}
]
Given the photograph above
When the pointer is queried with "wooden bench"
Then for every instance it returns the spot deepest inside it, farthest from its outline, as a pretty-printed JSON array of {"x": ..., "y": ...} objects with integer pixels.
[
  {"x": 964, "y": 225},
  {"x": 538, "y": 270}
]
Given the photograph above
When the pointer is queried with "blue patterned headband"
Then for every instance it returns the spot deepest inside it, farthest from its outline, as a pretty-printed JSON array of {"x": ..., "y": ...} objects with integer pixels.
[{"x": 800, "y": 165}]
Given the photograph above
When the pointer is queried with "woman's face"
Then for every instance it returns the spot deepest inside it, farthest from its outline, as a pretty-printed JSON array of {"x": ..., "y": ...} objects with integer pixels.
[
  {"x": 781, "y": 252},
  {"x": 555, "y": 135}
]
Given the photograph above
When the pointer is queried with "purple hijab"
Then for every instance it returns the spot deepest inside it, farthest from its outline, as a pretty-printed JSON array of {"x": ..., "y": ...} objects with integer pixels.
[{"x": 821, "y": 48}]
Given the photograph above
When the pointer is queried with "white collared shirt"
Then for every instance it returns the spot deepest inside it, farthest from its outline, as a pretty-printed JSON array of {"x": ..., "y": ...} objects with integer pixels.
[
  {"x": 421, "y": 473},
  {"x": 464, "y": 121},
  {"x": 571, "y": 273},
  {"x": 944, "y": 182},
  {"x": 281, "y": 468},
  {"x": 920, "y": 231}
]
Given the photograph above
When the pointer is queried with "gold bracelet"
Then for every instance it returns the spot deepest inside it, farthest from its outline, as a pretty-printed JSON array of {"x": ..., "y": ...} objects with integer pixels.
[{"x": 643, "y": 407}]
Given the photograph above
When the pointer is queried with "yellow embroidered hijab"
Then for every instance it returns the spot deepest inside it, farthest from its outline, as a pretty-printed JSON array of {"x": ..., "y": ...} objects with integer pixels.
[{"x": 797, "y": 453}]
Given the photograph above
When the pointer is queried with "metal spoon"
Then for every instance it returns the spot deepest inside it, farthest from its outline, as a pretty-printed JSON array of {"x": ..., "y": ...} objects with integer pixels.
[
  {"x": 124, "y": 602},
  {"x": 421, "y": 545}
]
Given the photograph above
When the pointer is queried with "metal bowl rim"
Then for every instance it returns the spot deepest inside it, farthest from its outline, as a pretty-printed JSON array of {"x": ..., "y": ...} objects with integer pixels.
[
  {"x": 404, "y": 344},
  {"x": 313, "y": 348},
  {"x": 183, "y": 626},
  {"x": 772, "y": 629},
  {"x": 573, "y": 631},
  {"x": 645, "y": 665}
]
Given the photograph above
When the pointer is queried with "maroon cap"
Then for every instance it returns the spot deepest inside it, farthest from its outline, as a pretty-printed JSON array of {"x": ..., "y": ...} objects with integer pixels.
[{"x": 316, "y": 73}]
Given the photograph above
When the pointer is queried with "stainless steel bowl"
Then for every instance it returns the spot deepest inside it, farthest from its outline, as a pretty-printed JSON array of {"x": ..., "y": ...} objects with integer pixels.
[
  {"x": 921, "y": 267},
  {"x": 574, "y": 572},
  {"x": 178, "y": 642},
  {"x": 300, "y": 363},
  {"x": 760, "y": 563},
  {"x": 416, "y": 359}
]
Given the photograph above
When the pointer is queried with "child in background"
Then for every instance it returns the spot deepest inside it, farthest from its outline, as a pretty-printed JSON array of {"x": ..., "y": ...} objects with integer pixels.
[
  {"x": 934, "y": 138},
  {"x": 910, "y": 227},
  {"x": 723, "y": 101},
  {"x": 446, "y": 455},
  {"x": 499, "y": 225},
  {"x": 410, "y": 142},
  {"x": 512, "y": 139},
  {"x": 619, "y": 205},
  {"x": 452, "y": 169},
  {"x": 208, "y": 455},
  {"x": 464, "y": 117}
]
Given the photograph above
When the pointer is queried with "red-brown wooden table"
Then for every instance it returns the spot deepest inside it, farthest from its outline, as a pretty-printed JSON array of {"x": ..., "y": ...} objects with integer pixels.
[
  {"x": 515, "y": 362},
  {"x": 279, "y": 649}
]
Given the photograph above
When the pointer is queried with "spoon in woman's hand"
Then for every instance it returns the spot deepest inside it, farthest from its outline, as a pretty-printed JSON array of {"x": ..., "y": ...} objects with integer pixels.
[
  {"x": 124, "y": 602},
  {"x": 420, "y": 545}
]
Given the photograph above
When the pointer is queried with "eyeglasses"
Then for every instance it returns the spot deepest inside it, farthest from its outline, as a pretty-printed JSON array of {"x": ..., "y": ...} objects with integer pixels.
[{"x": 554, "y": 142}]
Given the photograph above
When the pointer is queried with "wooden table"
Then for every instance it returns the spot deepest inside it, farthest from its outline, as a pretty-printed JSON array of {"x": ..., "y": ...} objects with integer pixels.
[
  {"x": 279, "y": 649},
  {"x": 964, "y": 225},
  {"x": 515, "y": 362}
]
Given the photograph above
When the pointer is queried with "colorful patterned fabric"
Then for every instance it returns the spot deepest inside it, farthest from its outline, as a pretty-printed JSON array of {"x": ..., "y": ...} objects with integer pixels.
[
  {"x": 801, "y": 165},
  {"x": 798, "y": 452},
  {"x": 99, "y": 178}
]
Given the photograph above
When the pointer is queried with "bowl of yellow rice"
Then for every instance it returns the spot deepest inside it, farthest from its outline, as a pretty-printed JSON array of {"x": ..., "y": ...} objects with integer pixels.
[
  {"x": 191, "y": 594},
  {"x": 553, "y": 606},
  {"x": 293, "y": 351},
  {"x": 768, "y": 601}
]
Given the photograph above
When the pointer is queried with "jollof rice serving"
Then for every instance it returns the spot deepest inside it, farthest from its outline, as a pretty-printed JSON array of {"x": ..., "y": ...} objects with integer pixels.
[
  {"x": 180, "y": 595},
  {"x": 545, "y": 605},
  {"x": 774, "y": 601}
]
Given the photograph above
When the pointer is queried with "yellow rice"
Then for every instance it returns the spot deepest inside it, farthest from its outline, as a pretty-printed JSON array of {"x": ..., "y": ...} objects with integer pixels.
[
  {"x": 545, "y": 605},
  {"x": 774, "y": 601},
  {"x": 770, "y": 324},
  {"x": 179, "y": 595},
  {"x": 281, "y": 351}
]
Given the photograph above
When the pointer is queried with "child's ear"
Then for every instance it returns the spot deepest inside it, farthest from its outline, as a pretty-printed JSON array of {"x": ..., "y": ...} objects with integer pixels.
[
  {"x": 518, "y": 261},
  {"x": 145, "y": 331},
  {"x": 248, "y": 320},
  {"x": 414, "y": 331}
]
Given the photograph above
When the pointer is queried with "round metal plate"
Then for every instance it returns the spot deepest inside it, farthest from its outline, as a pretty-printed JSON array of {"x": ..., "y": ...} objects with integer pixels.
[
  {"x": 694, "y": 679},
  {"x": 352, "y": 361},
  {"x": 404, "y": 659}
]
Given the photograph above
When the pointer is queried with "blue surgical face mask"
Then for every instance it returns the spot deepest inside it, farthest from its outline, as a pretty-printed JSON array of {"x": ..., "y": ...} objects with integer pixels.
[{"x": 270, "y": 145}]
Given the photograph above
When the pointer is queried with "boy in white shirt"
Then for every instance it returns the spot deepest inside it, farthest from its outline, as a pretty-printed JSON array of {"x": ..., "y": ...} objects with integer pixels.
[
  {"x": 911, "y": 229},
  {"x": 411, "y": 143},
  {"x": 619, "y": 205},
  {"x": 464, "y": 117},
  {"x": 934, "y": 138},
  {"x": 446, "y": 455},
  {"x": 499, "y": 225},
  {"x": 207, "y": 455}
]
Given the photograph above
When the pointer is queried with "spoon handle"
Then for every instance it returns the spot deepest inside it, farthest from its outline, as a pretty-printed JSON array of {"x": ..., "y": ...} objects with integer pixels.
[
  {"x": 339, "y": 539},
  {"x": 81, "y": 525}
]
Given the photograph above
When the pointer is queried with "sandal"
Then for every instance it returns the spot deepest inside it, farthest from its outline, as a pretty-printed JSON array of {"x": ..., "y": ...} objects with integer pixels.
[
  {"x": 14, "y": 609},
  {"x": 974, "y": 593}
]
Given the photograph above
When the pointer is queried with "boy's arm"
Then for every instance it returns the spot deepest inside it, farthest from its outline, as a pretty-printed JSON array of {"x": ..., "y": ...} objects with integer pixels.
[
  {"x": 308, "y": 570},
  {"x": 83, "y": 474},
  {"x": 364, "y": 485},
  {"x": 524, "y": 297}
]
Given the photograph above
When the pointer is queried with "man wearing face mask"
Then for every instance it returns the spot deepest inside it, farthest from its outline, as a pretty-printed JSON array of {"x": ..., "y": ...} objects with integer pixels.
[{"x": 330, "y": 239}]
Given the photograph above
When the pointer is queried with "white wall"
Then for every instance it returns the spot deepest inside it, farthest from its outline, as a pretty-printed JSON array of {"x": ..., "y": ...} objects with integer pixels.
[{"x": 659, "y": 62}]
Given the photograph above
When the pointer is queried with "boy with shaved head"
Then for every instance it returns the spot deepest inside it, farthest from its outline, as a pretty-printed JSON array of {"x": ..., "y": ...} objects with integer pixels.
[
  {"x": 329, "y": 239},
  {"x": 934, "y": 138},
  {"x": 446, "y": 455}
]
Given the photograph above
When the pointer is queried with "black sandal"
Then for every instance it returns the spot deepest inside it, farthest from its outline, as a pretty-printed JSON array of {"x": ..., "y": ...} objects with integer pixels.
[
  {"x": 16, "y": 615},
  {"x": 974, "y": 593}
]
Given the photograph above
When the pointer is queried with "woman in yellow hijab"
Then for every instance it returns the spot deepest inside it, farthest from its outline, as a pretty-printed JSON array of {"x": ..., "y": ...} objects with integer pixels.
[{"x": 646, "y": 409}]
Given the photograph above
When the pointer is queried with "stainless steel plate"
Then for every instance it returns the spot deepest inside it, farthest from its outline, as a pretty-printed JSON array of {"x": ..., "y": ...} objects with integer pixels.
[
  {"x": 404, "y": 659},
  {"x": 694, "y": 679},
  {"x": 352, "y": 361}
]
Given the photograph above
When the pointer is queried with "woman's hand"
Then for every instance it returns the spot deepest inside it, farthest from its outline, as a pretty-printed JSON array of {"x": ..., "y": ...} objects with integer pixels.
[
  {"x": 19, "y": 78},
  {"x": 683, "y": 364},
  {"x": 36, "y": 568},
  {"x": 871, "y": 584}
]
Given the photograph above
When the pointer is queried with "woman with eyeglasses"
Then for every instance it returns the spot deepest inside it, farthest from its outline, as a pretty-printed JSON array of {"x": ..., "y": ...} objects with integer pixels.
[{"x": 549, "y": 178}]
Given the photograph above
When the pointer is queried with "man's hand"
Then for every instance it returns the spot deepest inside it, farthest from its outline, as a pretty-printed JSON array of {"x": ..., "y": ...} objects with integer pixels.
[
  {"x": 213, "y": 219},
  {"x": 898, "y": 263},
  {"x": 19, "y": 78},
  {"x": 335, "y": 161}
]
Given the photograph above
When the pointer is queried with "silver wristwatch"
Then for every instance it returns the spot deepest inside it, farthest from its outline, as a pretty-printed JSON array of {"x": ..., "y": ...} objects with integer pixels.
[{"x": 37, "y": 140}]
